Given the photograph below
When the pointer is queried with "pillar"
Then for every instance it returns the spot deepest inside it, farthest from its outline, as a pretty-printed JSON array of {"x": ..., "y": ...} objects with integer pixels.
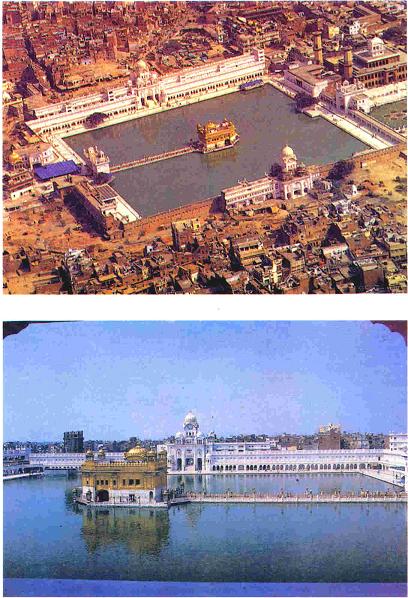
[
  {"x": 348, "y": 64},
  {"x": 317, "y": 47}
]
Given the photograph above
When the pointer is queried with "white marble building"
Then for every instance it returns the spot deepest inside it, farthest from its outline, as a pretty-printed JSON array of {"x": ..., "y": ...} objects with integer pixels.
[
  {"x": 192, "y": 452},
  {"x": 296, "y": 180},
  {"x": 146, "y": 89}
]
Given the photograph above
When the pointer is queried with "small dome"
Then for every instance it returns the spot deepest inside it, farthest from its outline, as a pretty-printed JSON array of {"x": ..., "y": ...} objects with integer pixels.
[
  {"x": 101, "y": 452},
  {"x": 287, "y": 152},
  {"x": 179, "y": 435},
  {"x": 141, "y": 65},
  {"x": 14, "y": 157},
  {"x": 89, "y": 454},
  {"x": 377, "y": 40},
  {"x": 190, "y": 418}
]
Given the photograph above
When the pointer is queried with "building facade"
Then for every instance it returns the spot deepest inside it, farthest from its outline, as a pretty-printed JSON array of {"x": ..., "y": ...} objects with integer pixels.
[
  {"x": 329, "y": 437},
  {"x": 192, "y": 452},
  {"x": 74, "y": 442},
  {"x": 376, "y": 65},
  {"x": 398, "y": 442},
  {"x": 139, "y": 479},
  {"x": 146, "y": 89},
  {"x": 294, "y": 180}
]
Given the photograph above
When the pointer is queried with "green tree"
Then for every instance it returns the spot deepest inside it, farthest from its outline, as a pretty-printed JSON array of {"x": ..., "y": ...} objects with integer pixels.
[
  {"x": 303, "y": 100},
  {"x": 340, "y": 170}
]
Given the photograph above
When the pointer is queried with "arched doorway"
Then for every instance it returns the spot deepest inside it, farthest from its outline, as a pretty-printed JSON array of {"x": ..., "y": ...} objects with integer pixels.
[
  {"x": 102, "y": 496},
  {"x": 150, "y": 495},
  {"x": 179, "y": 462},
  {"x": 199, "y": 464}
]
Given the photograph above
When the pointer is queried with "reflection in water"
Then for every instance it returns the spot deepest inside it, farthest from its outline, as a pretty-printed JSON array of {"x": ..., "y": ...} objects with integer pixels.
[
  {"x": 274, "y": 483},
  {"x": 46, "y": 535},
  {"x": 141, "y": 531}
]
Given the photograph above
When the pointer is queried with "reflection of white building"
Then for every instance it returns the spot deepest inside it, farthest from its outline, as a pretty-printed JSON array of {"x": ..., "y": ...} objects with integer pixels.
[
  {"x": 193, "y": 452},
  {"x": 147, "y": 89}
]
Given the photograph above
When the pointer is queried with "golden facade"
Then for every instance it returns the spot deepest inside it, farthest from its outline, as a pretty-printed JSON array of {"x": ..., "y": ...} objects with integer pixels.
[
  {"x": 215, "y": 136},
  {"x": 140, "y": 478}
]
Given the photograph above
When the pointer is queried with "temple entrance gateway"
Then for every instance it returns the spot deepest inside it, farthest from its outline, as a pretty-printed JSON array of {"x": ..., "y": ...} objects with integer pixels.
[{"x": 102, "y": 496}]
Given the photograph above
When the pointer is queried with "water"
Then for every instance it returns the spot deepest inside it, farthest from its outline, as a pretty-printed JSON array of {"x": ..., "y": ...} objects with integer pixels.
[
  {"x": 394, "y": 115},
  {"x": 46, "y": 536},
  {"x": 265, "y": 119},
  {"x": 273, "y": 483}
]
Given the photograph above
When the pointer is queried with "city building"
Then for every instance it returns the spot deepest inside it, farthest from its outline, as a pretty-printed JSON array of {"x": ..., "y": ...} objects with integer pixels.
[
  {"x": 311, "y": 79},
  {"x": 193, "y": 452},
  {"x": 34, "y": 154},
  {"x": 329, "y": 437},
  {"x": 139, "y": 479},
  {"x": 398, "y": 442},
  {"x": 374, "y": 65},
  {"x": 16, "y": 462},
  {"x": 73, "y": 442}
]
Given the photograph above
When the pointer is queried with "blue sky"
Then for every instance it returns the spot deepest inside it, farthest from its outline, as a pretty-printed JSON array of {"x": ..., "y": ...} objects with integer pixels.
[{"x": 120, "y": 379}]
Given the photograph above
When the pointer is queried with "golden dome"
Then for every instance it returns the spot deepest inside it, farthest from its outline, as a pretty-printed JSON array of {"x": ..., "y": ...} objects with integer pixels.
[
  {"x": 137, "y": 452},
  {"x": 14, "y": 157},
  {"x": 287, "y": 152}
]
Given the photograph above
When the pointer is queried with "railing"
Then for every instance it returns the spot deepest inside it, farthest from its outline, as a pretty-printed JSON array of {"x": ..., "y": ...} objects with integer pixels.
[
  {"x": 156, "y": 158},
  {"x": 309, "y": 497}
]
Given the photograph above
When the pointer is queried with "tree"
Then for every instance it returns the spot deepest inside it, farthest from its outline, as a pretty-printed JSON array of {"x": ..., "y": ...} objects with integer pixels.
[
  {"x": 294, "y": 54},
  {"x": 340, "y": 170},
  {"x": 303, "y": 100},
  {"x": 276, "y": 169}
]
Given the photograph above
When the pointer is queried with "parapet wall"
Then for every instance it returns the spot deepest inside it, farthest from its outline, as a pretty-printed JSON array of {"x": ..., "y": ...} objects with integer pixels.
[{"x": 368, "y": 156}]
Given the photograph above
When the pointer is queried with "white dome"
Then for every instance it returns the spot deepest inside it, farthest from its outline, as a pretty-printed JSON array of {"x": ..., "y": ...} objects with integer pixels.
[
  {"x": 287, "y": 152},
  {"x": 141, "y": 65},
  {"x": 377, "y": 40},
  {"x": 190, "y": 418},
  {"x": 178, "y": 435}
]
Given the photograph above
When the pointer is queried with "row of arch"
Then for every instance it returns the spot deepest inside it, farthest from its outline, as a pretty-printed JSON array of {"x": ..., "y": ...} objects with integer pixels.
[
  {"x": 293, "y": 467},
  {"x": 210, "y": 87}
]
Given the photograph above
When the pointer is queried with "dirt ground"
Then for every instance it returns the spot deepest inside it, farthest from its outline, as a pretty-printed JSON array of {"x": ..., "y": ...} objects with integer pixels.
[{"x": 380, "y": 178}]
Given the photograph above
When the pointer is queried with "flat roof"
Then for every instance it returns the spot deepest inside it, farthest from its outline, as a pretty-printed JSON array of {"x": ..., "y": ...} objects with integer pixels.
[{"x": 50, "y": 171}]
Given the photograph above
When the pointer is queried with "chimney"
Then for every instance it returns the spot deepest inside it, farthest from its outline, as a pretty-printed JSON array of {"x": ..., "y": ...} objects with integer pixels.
[
  {"x": 348, "y": 64},
  {"x": 317, "y": 47}
]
